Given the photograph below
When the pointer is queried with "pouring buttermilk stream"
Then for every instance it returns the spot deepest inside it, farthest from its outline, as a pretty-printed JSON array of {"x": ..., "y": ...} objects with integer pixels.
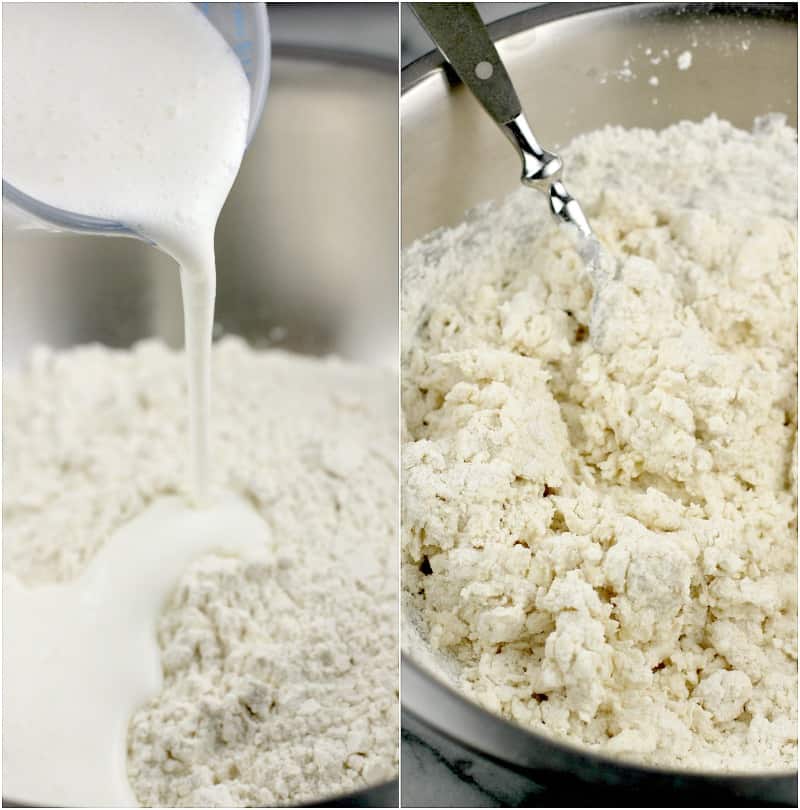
[{"x": 137, "y": 113}]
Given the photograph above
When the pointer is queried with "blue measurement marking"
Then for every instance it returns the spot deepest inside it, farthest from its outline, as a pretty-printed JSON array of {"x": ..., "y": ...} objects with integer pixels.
[
  {"x": 243, "y": 46},
  {"x": 243, "y": 50},
  {"x": 238, "y": 19}
]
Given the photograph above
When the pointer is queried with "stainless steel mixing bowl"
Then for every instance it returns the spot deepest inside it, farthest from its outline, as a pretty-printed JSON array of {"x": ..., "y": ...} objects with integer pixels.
[
  {"x": 567, "y": 62},
  {"x": 577, "y": 67},
  {"x": 307, "y": 243}
]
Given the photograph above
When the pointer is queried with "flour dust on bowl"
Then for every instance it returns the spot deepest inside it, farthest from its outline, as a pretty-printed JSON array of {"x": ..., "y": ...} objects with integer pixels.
[
  {"x": 217, "y": 648},
  {"x": 599, "y": 530}
]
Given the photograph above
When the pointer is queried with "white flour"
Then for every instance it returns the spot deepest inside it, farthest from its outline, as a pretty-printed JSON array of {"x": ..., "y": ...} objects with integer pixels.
[
  {"x": 280, "y": 678},
  {"x": 599, "y": 542}
]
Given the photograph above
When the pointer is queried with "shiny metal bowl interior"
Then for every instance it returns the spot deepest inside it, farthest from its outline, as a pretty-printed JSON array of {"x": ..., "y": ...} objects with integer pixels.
[
  {"x": 306, "y": 246},
  {"x": 567, "y": 62},
  {"x": 307, "y": 237}
]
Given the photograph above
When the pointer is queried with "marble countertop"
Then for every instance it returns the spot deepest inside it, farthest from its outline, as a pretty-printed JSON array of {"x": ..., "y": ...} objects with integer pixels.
[{"x": 437, "y": 773}]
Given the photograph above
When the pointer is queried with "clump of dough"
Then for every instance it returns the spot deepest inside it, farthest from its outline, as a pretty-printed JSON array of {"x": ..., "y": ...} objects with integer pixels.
[{"x": 599, "y": 527}]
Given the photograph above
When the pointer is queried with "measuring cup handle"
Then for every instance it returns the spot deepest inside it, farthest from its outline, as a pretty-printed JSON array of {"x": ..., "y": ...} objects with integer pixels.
[{"x": 461, "y": 36}]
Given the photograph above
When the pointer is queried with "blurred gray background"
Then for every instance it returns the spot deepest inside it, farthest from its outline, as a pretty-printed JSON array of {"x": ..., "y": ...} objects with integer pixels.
[
  {"x": 362, "y": 27},
  {"x": 366, "y": 28}
]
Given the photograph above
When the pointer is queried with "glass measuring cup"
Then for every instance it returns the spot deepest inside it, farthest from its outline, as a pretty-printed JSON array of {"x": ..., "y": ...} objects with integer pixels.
[{"x": 245, "y": 27}]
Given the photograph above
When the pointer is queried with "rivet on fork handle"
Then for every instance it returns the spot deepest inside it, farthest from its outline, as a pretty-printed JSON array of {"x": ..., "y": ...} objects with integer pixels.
[{"x": 459, "y": 33}]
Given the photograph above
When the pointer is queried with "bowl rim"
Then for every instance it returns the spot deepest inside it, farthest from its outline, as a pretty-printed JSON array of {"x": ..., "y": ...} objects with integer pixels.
[
  {"x": 439, "y": 702},
  {"x": 432, "y": 61},
  {"x": 343, "y": 57}
]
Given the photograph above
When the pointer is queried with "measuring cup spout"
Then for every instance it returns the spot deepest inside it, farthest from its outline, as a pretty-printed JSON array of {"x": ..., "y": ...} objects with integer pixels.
[{"x": 245, "y": 27}]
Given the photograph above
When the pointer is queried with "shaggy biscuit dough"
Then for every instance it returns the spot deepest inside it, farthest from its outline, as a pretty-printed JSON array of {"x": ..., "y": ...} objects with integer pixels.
[{"x": 600, "y": 530}]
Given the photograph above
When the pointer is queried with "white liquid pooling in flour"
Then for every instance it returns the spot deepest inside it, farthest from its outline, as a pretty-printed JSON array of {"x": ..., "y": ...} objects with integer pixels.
[
  {"x": 136, "y": 113},
  {"x": 80, "y": 658}
]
